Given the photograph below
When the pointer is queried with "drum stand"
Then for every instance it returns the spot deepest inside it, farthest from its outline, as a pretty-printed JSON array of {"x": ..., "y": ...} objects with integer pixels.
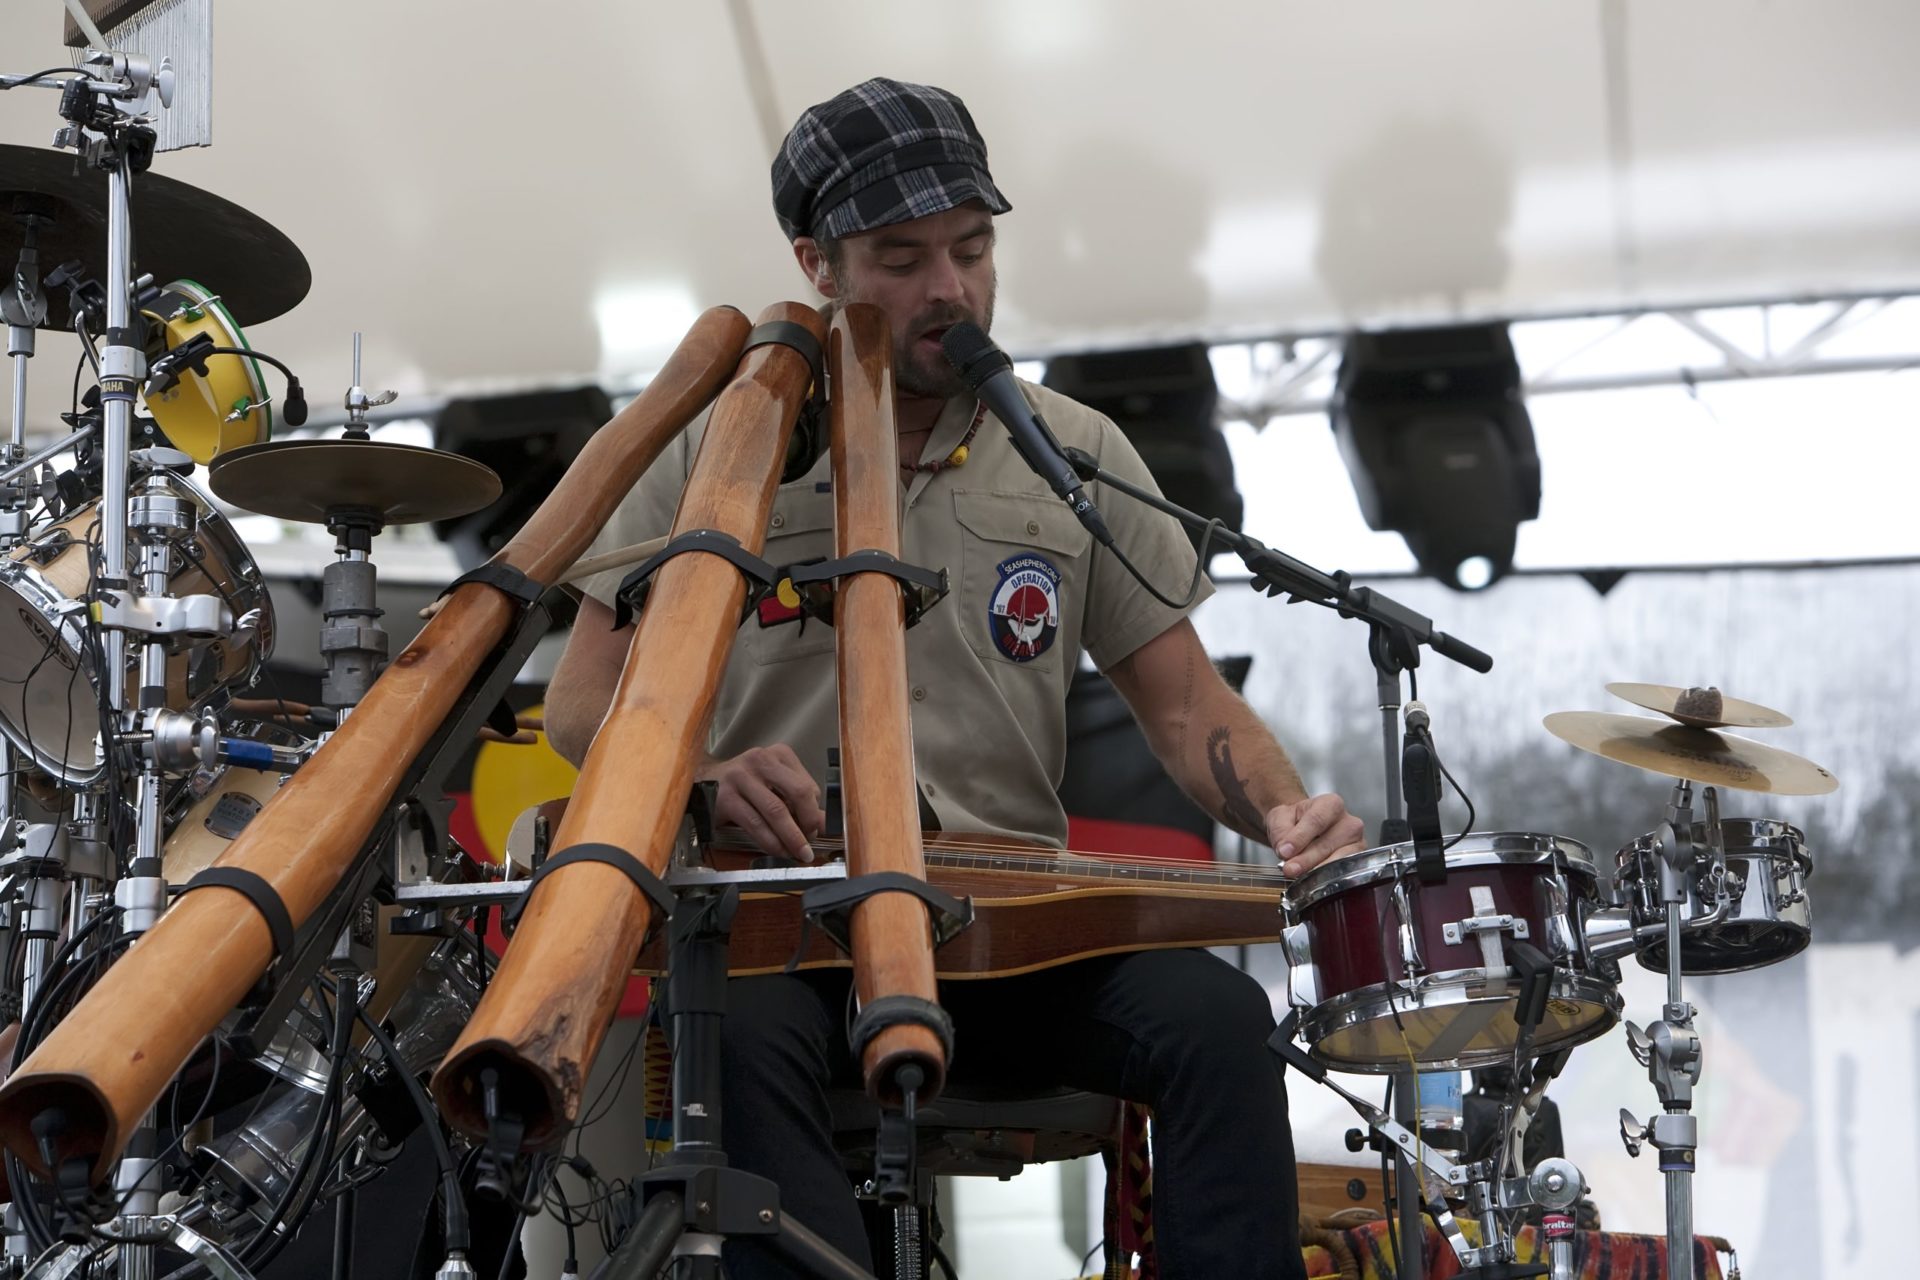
[
  {"x": 1554, "y": 1185},
  {"x": 1670, "y": 1048}
]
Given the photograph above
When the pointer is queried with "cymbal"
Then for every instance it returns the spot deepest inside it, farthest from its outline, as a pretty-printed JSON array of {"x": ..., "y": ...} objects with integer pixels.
[
  {"x": 305, "y": 479},
  {"x": 179, "y": 232},
  {"x": 1697, "y": 707},
  {"x": 1698, "y": 755}
]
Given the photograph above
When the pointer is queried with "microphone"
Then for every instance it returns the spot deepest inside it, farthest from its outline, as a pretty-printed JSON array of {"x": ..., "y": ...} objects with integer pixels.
[{"x": 988, "y": 373}]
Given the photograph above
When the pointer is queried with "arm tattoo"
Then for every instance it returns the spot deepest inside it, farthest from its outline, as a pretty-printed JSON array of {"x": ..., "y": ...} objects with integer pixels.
[
  {"x": 1186, "y": 713},
  {"x": 1236, "y": 805}
]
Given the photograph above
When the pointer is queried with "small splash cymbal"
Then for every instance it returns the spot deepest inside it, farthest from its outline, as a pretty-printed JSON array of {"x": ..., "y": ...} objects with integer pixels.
[
  {"x": 1698, "y": 755},
  {"x": 303, "y": 480},
  {"x": 1702, "y": 708}
]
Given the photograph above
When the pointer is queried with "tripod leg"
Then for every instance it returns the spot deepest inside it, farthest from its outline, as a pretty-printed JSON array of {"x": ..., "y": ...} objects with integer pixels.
[
  {"x": 801, "y": 1246},
  {"x": 649, "y": 1244}
]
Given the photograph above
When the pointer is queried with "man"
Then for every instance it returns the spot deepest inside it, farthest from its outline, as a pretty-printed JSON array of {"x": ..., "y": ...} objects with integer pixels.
[{"x": 885, "y": 197}]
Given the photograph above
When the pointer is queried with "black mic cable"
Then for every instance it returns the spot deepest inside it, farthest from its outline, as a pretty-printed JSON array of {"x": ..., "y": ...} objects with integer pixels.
[
  {"x": 988, "y": 373},
  {"x": 193, "y": 353}
]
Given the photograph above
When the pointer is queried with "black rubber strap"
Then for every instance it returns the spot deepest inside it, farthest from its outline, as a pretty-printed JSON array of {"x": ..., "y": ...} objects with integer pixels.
[
  {"x": 504, "y": 578},
  {"x": 923, "y": 588},
  {"x": 608, "y": 855},
  {"x": 264, "y": 897},
  {"x": 831, "y": 905},
  {"x": 892, "y": 1011},
  {"x": 759, "y": 574},
  {"x": 787, "y": 333}
]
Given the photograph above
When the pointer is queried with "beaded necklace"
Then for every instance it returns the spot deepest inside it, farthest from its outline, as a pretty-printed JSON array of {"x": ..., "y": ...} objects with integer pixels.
[{"x": 958, "y": 458}]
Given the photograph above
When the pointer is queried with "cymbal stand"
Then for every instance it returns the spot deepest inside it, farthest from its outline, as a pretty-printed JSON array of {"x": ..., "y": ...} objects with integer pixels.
[
  {"x": 353, "y": 644},
  {"x": 24, "y": 307},
  {"x": 1670, "y": 1049}
]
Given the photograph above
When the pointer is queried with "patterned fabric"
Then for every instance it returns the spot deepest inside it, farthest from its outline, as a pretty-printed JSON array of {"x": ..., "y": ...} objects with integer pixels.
[
  {"x": 1136, "y": 1188},
  {"x": 1363, "y": 1254},
  {"x": 880, "y": 153},
  {"x": 1596, "y": 1255}
]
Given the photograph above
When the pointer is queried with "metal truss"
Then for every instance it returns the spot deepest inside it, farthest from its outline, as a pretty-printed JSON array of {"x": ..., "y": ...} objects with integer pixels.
[{"x": 1295, "y": 375}]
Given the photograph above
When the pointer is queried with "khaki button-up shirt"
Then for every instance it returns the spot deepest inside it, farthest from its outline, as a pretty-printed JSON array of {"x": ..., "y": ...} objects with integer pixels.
[{"x": 988, "y": 667}]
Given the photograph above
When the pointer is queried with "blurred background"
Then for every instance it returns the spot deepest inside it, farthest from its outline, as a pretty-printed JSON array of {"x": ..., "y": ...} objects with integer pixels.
[{"x": 1646, "y": 275}]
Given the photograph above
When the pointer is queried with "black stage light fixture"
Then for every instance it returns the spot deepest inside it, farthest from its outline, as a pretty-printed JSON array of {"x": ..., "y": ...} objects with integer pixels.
[
  {"x": 1436, "y": 435},
  {"x": 1164, "y": 400},
  {"x": 529, "y": 439}
]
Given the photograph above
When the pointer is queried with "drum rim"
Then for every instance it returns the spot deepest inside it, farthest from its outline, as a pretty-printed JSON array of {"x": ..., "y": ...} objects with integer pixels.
[
  {"x": 13, "y": 575},
  {"x": 1569, "y": 984},
  {"x": 1764, "y": 836},
  {"x": 1475, "y": 849},
  {"x": 211, "y": 525},
  {"x": 1801, "y": 933}
]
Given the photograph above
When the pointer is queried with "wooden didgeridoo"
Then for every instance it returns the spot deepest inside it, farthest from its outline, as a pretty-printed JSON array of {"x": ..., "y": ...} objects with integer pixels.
[
  {"x": 106, "y": 1063},
  {"x": 546, "y": 1011},
  {"x": 891, "y": 936}
]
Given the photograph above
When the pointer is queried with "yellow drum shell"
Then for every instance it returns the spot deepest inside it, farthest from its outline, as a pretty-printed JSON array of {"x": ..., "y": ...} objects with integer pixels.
[{"x": 194, "y": 412}]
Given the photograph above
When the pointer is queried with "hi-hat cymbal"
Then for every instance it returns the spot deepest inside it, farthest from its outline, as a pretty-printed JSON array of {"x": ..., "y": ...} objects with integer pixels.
[
  {"x": 1698, "y": 755},
  {"x": 1701, "y": 708},
  {"x": 179, "y": 233},
  {"x": 303, "y": 480}
]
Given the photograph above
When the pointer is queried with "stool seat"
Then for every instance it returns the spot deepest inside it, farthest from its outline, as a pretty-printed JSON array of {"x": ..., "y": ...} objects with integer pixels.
[{"x": 981, "y": 1132}]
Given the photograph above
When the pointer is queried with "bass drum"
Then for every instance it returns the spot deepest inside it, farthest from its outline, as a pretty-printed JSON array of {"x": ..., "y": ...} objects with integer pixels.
[
  {"x": 1392, "y": 973},
  {"x": 49, "y": 704}
]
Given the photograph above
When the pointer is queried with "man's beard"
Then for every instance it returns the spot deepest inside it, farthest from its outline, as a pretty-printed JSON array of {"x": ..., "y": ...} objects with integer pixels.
[{"x": 921, "y": 373}]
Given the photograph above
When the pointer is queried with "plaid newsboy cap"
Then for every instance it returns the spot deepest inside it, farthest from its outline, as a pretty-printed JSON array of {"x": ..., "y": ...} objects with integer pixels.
[{"x": 880, "y": 153}]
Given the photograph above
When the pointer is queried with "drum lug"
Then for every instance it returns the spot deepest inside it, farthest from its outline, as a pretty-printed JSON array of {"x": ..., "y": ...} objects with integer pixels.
[
  {"x": 1303, "y": 980},
  {"x": 1409, "y": 937}
]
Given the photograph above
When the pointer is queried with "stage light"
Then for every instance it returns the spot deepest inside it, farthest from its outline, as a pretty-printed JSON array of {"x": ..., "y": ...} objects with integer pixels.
[
  {"x": 1437, "y": 439},
  {"x": 1474, "y": 573}
]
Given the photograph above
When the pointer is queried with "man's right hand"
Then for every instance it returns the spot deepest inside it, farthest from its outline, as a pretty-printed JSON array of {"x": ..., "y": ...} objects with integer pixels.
[{"x": 767, "y": 793}]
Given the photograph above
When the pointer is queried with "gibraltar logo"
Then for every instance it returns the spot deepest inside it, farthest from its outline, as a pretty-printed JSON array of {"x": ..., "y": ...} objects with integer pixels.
[{"x": 1024, "y": 614}]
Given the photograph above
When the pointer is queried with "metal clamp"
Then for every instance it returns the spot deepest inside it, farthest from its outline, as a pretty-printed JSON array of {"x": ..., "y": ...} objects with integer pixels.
[{"x": 165, "y": 615}]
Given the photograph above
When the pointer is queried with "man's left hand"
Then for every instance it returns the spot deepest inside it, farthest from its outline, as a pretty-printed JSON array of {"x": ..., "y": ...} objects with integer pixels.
[{"x": 1312, "y": 831}]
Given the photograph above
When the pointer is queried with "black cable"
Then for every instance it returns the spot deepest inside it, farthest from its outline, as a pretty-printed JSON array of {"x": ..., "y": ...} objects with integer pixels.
[
  {"x": 1199, "y": 569},
  {"x": 1388, "y": 1199},
  {"x": 283, "y": 1220},
  {"x": 38, "y": 76},
  {"x": 458, "y": 1234},
  {"x": 537, "y": 1170}
]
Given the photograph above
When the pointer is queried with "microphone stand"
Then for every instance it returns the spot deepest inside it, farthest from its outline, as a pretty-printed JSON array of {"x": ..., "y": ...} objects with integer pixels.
[{"x": 1395, "y": 636}]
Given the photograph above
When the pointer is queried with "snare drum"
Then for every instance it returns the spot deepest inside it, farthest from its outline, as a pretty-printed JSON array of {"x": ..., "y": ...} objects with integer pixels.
[
  {"x": 1770, "y": 916},
  {"x": 49, "y": 707},
  {"x": 1391, "y": 973}
]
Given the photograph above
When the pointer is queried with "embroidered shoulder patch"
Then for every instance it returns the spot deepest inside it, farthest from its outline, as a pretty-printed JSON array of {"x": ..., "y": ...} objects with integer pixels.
[{"x": 1024, "y": 614}]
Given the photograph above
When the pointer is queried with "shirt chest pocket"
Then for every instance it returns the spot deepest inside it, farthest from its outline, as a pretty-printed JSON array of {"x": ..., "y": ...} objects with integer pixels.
[
  {"x": 1020, "y": 576},
  {"x": 800, "y": 529}
]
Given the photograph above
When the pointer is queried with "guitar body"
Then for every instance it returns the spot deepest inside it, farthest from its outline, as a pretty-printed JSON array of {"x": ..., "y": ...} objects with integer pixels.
[{"x": 1032, "y": 910}]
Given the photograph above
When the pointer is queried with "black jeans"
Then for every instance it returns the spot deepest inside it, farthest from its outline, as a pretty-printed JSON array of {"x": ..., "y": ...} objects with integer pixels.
[{"x": 1182, "y": 1031}]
